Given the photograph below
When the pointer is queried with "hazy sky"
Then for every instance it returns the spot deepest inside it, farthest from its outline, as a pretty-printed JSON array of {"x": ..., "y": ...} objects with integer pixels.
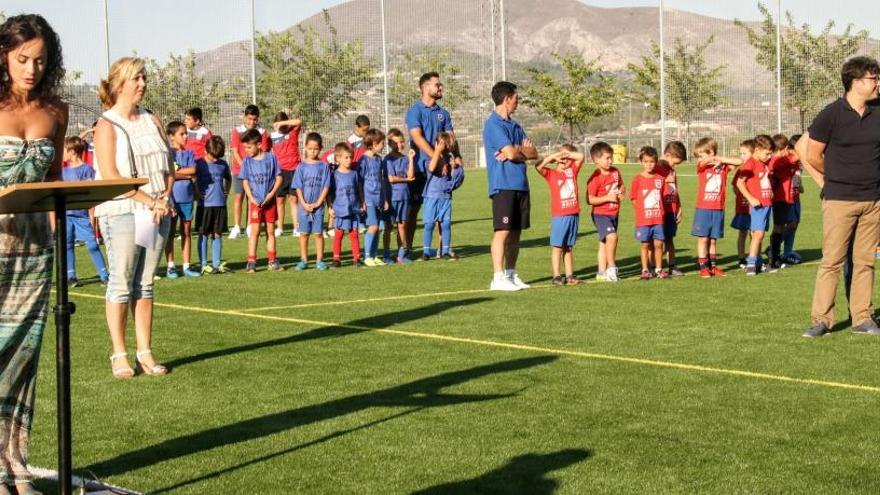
[{"x": 155, "y": 28}]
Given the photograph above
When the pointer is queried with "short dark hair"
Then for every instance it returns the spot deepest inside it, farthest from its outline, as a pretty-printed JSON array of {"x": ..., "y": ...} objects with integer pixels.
[
  {"x": 315, "y": 137},
  {"x": 856, "y": 68},
  {"x": 781, "y": 142},
  {"x": 280, "y": 116},
  {"x": 748, "y": 144},
  {"x": 195, "y": 112},
  {"x": 372, "y": 137},
  {"x": 251, "y": 136},
  {"x": 601, "y": 147},
  {"x": 395, "y": 132},
  {"x": 502, "y": 90},
  {"x": 216, "y": 147},
  {"x": 20, "y": 29},
  {"x": 427, "y": 76},
  {"x": 648, "y": 151},
  {"x": 75, "y": 144},
  {"x": 794, "y": 139},
  {"x": 676, "y": 149},
  {"x": 764, "y": 142},
  {"x": 252, "y": 110},
  {"x": 173, "y": 126},
  {"x": 362, "y": 121}
]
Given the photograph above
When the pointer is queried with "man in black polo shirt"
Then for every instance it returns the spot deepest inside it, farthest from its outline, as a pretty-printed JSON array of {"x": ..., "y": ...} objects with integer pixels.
[{"x": 844, "y": 146}]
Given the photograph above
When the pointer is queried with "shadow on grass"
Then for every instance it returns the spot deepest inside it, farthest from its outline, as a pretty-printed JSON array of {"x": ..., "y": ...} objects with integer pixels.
[
  {"x": 352, "y": 327},
  {"x": 522, "y": 475},
  {"x": 424, "y": 393}
]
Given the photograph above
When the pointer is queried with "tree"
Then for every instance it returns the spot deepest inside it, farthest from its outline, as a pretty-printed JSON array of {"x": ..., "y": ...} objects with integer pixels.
[
  {"x": 691, "y": 85},
  {"x": 583, "y": 92},
  {"x": 176, "y": 86},
  {"x": 403, "y": 88},
  {"x": 314, "y": 77},
  {"x": 810, "y": 62}
]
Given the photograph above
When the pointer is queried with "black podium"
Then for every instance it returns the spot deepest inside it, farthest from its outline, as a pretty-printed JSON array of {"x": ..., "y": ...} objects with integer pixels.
[{"x": 60, "y": 197}]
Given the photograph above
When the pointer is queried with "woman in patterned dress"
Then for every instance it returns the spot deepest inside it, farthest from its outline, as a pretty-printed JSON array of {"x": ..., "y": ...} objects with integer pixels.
[{"x": 33, "y": 121}]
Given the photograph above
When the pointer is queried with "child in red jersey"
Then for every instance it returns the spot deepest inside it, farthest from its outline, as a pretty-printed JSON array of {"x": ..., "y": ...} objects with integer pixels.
[
  {"x": 564, "y": 208},
  {"x": 605, "y": 191},
  {"x": 789, "y": 255},
  {"x": 673, "y": 155},
  {"x": 709, "y": 216},
  {"x": 197, "y": 135},
  {"x": 754, "y": 184},
  {"x": 285, "y": 146},
  {"x": 741, "y": 218},
  {"x": 647, "y": 193},
  {"x": 782, "y": 172}
]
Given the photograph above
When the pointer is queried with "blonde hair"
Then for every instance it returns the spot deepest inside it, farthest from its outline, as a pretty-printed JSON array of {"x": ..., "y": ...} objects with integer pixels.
[
  {"x": 451, "y": 142},
  {"x": 122, "y": 70}
]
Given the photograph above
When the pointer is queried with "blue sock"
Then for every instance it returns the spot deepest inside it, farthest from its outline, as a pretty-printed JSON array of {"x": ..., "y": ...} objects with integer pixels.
[
  {"x": 216, "y": 250},
  {"x": 203, "y": 249},
  {"x": 368, "y": 244},
  {"x": 445, "y": 237},
  {"x": 752, "y": 261},
  {"x": 788, "y": 241},
  {"x": 401, "y": 252}
]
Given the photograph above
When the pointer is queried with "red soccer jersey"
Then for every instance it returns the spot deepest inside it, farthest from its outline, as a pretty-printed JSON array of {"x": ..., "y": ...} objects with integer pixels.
[
  {"x": 196, "y": 139},
  {"x": 782, "y": 170},
  {"x": 742, "y": 204},
  {"x": 711, "y": 186},
  {"x": 563, "y": 190},
  {"x": 757, "y": 176},
  {"x": 236, "y": 144},
  {"x": 671, "y": 200},
  {"x": 647, "y": 194},
  {"x": 602, "y": 185},
  {"x": 286, "y": 148}
]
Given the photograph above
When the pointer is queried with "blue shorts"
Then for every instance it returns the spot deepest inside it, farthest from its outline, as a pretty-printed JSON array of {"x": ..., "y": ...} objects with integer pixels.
[
  {"x": 374, "y": 216},
  {"x": 796, "y": 210},
  {"x": 783, "y": 213},
  {"x": 310, "y": 223},
  {"x": 398, "y": 212},
  {"x": 184, "y": 211},
  {"x": 670, "y": 226},
  {"x": 437, "y": 210},
  {"x": 760, "y": 220},
  {"x": 605, "y": 226},
  {"x": 564, "y": 230},
  {"x": 646, "y": 234},
  {"x": 741, "y": 221},
  {"x": 708, "y": 223},
  {"x": 346, "y": 223}
]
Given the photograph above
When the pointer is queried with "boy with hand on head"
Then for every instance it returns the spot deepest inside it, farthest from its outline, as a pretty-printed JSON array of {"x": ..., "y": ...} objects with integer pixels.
[
  {"x": 261, "y": 178},
  {"x": 183, "y": 194},
  {"x": 708, "y": 224},
  {"x": 782, "y": 173},
  {"x": 754, "y": 184},
  {"x": 347, "y": 204},
  {"x": 250, "y": 121},
  {"x": 789, "y": 255},
  {"x": 213, "y": 180},
  {"x": 79, "y": 222},
  {"x": 742, "y": 221},
  {"x": 647, "y": 192},
  {"x": 285, "y": 147},
  {"x": 564, "y": 208},
  {"x": 605, "y": 191},
  {"x": 197, "y": 135},
  {"x": 401, "y": 172},
  {"x": 443, "y": 175},
  {"x": 311, "y": 181},
  {"x": 673, "y": 155},
  {"x": 374, "y": 181}
]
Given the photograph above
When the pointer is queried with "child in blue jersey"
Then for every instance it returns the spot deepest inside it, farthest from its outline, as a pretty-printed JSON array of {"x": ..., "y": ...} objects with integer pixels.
[
  {"x": 261, "y": 179},
  {"x": 347, "y": 203},
  {"x": 79, "y": 222},
  {"x": 401, "y": 172},
  {"x": 312, "y": 184},
  {"x": 443, "y": 175},
  {"x": 183, "y": 195},
  {"x": 374, "y": 180},
  {"x": 213, "y": 180}
]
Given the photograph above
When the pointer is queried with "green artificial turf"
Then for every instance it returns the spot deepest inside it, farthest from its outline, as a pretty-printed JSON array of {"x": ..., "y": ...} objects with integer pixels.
[{"x": 315, "y": 397}]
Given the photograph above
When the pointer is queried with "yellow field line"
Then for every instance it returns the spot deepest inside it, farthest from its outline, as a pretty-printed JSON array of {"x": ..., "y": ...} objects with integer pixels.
[{"x": 525, "y": 347}]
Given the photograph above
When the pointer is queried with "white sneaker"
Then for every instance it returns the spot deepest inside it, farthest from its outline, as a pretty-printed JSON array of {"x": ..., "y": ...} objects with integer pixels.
[
  {"x": 503, "y": 284},
  {"x": 278, "y": 232},
  {"x": 296, "y": 233},
  {"x": 611, "y": 274},
  {"x": 326, "y": 234},
  {"x": 514, "y": 278},
  {"x": 247, "y": 230},
  {"x": 234, "y": 232}
]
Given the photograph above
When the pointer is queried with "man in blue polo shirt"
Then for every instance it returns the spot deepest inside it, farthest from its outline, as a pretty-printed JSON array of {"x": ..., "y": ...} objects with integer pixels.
[
  {"x": 424, "y": 120},
  {"x": 507, "y": 149}
]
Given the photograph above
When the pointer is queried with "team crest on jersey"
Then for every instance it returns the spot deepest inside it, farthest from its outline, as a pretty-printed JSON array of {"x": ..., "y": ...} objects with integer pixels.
[
  {"x": 440, "y": 117},
  {"x": 658, "y": 183}
]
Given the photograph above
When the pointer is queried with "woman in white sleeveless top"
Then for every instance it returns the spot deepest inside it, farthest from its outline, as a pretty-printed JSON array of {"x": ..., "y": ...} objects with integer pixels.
[{"x": 131, "y": 266}]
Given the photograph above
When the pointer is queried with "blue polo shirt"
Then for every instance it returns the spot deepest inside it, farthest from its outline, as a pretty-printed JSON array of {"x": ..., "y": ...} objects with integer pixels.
[
  {"x": 504, "y": 174},
  {"x": 432, "y": 121}
]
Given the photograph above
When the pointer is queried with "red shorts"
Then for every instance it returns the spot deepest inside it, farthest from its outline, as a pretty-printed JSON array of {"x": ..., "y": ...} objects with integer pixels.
[{"x": 267, "y": 214}]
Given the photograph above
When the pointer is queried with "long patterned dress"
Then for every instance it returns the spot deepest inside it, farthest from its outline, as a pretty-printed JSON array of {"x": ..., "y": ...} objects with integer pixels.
[{"x": 26, "y": 254}]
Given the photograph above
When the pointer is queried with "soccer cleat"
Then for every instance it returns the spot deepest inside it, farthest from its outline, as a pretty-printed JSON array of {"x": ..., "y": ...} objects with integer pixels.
[
  {"x": 320, "y": 265},
  {"x": 751, "y": 270},
  {"x": 357, "y": 263},
  {"x": 602, "y": 277},
  {"x": 378, "y": 262},
  {"x": 223, "y": 269},
  {"x": 663, "y": 274},
  {"x": 326, "y": 234},
  {"x": 389, "y": 260},
  {"x": 189, "y": 272},
  {"x": 867, "y": 327},
  {"x": 675, "y": 272},
  {"x": 251, "y": 267},
  {"x": 302, "y": 265},
  {"x": 234, "y": 232},
  {"x": 171, "y": 272},
  {"x": 278, "y": 232},
  {"x": 425, "y": 256},
  {"x": 817, "y": 330},
  {"x": 503, "y": 284},
  {"x": 611, "y": 274},
  {"x": 370, "y": 262},
  {"x": 558, "y": 280},
  {"x": 743, "y": 263},
  {"x": 705, "y": 273},
  {"x": 296, "y": 232},
  {"x": 362, "y": 229},
  {"x": 718, "y": 272},
  {"x": 337, "y": 263},
  {"x": 404, "y": 260},
  {"x": 573, "y": 281},
  {"x": 646, "y": 275},
  {"x": 275, "y": 266},
  {"x": 519, "y": 282},
  {"x": 208, "y": 270}
]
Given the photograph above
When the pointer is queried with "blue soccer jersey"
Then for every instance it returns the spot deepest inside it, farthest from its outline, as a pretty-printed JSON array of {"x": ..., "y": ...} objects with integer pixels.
[
  {"x": 260, "y": 174},
  {"x": 311, "y": 178},
  {"x": 74, "y": 174},
  {"x": 209, "y": 180},
  {"x": 432, "y": 121},
  {"x": 374, "y": 179},
  {"x": 183, "y": 190},
  {"x": 398, "y": 166},
  {"x": 345, "y": 186},
  {"x": 504, "y": 174}
]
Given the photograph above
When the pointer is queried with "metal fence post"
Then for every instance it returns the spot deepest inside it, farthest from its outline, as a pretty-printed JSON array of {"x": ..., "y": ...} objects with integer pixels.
[
  {"x": 107, "y": 36},
  {"x": 662, "y": 81},
  {"x": 253, "y": 53},
  {"x": 503, "y": 42},
  {"x": 778, "y": 66},
  {"x": 384, "y": 62}
]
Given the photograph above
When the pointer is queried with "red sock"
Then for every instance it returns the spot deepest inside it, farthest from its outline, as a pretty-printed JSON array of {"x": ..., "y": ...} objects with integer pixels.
[
  {"x": 271, "y": 255},
  {"x": 252, "y": 258},
  {"x": 337, "y": 244},
  {"x": 355, "y": 245}
]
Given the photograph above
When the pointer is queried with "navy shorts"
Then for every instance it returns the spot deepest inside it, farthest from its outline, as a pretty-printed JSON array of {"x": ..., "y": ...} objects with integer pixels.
[
  {"x": 783, "y": 213},
  {"x": 310, "y": 223},
  {"x": 708, "y": 223},
  {"x": 605, "y": 226},
  {"x": 286, "y": 181},
  {"x": 184, "y": 211},
  {"x": 741, "y": 221},
  {"x": 670, "y": 226},
  {"x": 564, "y": 230},
  {"x": 646, "y": 234},
  {"x": 399, "y": 211},
  {"x": 760, "y": 218}
]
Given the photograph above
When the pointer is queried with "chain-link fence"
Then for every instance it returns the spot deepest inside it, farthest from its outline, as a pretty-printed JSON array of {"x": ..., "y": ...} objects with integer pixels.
[{"x": 328, "y": 61}]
